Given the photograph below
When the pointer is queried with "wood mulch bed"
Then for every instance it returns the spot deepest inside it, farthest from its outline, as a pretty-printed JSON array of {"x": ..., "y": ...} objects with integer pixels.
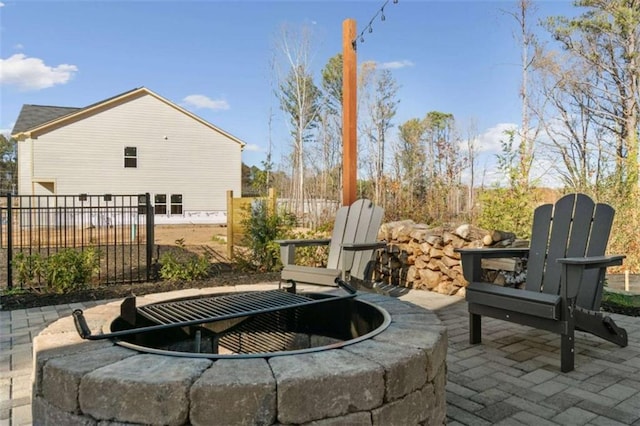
[{"x": 32, "y": 300}]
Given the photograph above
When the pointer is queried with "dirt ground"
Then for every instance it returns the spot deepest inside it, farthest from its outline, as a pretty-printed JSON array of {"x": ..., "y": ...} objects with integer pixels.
[{"x": 196, "y": 238}]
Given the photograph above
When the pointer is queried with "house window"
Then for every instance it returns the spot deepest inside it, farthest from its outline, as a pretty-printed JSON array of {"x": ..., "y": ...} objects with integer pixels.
[
  {"x": 176, "y": 203},
  {"x": 130, "y": 156},
  {"x": 142, "y": 204},
  {"x": 161, "y": 203}
]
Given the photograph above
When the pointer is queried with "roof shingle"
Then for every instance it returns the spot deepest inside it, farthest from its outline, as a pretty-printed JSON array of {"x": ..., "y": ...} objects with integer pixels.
[{"x": 34, "y": 115}]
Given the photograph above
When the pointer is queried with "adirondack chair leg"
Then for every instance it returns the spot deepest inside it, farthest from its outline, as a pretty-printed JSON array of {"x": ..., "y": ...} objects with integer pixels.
[
  {"x": 567, "y": 350},
  {"x": 475, "y": 329},
  {"x": 602, "y": 326}
]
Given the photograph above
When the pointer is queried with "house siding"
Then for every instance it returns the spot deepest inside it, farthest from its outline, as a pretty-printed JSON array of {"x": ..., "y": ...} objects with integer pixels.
[{"x": 176, "y": 154}]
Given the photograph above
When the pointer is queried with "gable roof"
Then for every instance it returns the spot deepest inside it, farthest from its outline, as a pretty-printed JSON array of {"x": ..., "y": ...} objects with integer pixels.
[
  {"x": 34, "y": 115},
  {"x": 38, "y": 120}
]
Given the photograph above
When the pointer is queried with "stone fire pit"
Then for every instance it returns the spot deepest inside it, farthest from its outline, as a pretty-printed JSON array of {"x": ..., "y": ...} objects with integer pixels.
[{"x": 397, "y": 377}]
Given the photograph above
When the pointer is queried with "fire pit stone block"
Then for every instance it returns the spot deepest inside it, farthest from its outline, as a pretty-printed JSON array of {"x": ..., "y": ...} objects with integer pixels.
[
  {"x": 50, "y": 346},
  {"x": 244, "y": 387},
  {"x": 151, "y": 389},
  {"x": 325, "y": 384},
  {"x": 405, "y": 369},
  {"x": 62, "y": 375}
]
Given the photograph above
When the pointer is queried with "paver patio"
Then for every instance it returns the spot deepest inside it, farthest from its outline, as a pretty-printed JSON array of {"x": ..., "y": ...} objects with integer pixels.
[{"x": 512, "y": 378}]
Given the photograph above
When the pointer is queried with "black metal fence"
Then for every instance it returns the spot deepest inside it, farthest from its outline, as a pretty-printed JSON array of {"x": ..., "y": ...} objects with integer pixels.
[{"x": 117, "y": 228}]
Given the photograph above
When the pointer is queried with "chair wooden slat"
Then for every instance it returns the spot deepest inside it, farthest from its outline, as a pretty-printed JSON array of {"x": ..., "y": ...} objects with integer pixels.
[
  {"x": 590, "y": 295},
  {"x": 581, "y": 227},
  {"x": 337, "y": 236},
  {"x": 538, "y": 248},
  {"x": 363, "y": 258},
  {"x": 560, "y": 228}
]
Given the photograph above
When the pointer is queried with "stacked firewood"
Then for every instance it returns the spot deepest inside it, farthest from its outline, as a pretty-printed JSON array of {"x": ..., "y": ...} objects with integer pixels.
[{"x": 421, "y": 257}]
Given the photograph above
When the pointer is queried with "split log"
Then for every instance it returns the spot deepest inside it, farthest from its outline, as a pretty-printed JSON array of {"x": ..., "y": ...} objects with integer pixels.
[
  {"x": 470, "y": 232},
  {"x": 502, "y": 235},
  {"x": 501, "y": 264}
]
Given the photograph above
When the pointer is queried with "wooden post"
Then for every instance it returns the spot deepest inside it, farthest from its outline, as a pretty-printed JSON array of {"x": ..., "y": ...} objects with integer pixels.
[
  {"x": 349, "y": 113},
  {"x": 272, "y": 201},
  {"x": 230, "y": 224}
]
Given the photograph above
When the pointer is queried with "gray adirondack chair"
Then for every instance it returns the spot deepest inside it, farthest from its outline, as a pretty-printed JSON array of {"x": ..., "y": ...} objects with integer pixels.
[
  {"x": 351, "y": 247},
  {"x": 565, "y": 274}
]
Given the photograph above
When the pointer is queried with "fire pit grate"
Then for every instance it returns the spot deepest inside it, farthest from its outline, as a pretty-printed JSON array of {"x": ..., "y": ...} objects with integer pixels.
[
  {"x": 222, "y": 307},
  {"x": 191, "y": 312}
]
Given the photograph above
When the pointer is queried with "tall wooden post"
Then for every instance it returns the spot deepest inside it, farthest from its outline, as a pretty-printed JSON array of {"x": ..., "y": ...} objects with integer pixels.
[{"x": 349, "y": 113}]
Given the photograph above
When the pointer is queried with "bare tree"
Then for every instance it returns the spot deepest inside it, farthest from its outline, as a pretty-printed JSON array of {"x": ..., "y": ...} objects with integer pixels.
[
  {"x": 379, "y": 102},
  {"x": 527, "y": 134},
  {"x": 471, "y": 160},
  {"x": 300, "y": 101},
  {"x": 577, "y": 147},
  {"x": 605, "y": 39}
]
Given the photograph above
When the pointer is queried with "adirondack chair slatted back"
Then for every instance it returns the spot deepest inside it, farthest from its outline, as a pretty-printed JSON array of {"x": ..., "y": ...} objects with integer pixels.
[
  {"x": 574, "y": 227},
  {"x": 357, "y": 223}
]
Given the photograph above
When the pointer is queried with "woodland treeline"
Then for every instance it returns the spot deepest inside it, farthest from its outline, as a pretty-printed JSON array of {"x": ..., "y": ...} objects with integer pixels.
[
  {"x": 579, "y": 98},
  {"x": 580, "y": 109}
]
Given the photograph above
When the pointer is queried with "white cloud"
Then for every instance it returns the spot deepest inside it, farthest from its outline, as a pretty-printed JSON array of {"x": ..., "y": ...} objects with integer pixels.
[
  {"x": 32, "y": 73},
  {"x": 252, "y": 148},
  {"x": 18, "y": 46},
  {"x": 394, "y": 65},
  {"x": 489, "y": 141},
  {"x": 1, "y": 4},
  {"x": 204, "y": 102}
]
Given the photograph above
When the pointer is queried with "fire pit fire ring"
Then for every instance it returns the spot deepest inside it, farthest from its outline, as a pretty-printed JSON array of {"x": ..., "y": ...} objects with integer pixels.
[
  {"x": 392, "y": 372},
  {"x": 313, "y": 328}
]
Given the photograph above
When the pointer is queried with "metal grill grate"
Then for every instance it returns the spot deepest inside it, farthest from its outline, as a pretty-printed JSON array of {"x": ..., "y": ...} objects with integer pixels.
[{"x": 195, "y": 311}]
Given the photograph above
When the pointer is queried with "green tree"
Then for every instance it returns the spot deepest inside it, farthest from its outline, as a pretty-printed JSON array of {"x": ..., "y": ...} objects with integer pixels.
[
  {"x": 8, "y": 166},
  {"x": 409, "y": 158}
]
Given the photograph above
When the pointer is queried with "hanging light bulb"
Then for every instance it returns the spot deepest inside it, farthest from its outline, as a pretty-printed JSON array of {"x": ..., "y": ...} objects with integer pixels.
[
  {"x": 395, "y": 1},
  {"x": 370, "y": 29},
  {"x": 382, "y": 18},
  {"x": 361, "y": 39}
]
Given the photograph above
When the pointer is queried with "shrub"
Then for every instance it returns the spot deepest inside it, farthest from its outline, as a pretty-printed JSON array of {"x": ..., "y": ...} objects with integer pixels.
[
  {"x": 64, "y": 271},
  {"x": 180, "y": 265},
  {"x": 507, "y": 209},
  {"x": 262, "y": 228}
]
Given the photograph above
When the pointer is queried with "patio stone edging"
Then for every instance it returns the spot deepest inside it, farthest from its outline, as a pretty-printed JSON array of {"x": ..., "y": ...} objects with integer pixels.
[{"x": 398, "y": 376}]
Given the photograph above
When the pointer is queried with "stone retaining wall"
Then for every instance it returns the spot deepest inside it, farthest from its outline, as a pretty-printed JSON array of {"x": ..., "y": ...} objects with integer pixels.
[{"x": 397, "y": 377}]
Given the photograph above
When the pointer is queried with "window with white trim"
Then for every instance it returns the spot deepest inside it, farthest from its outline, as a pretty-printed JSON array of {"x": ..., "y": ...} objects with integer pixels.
[
  {"x": 176, "y": 203},
  {"x": 130, "y": 157},
  {"x": 160, "y": 203}
]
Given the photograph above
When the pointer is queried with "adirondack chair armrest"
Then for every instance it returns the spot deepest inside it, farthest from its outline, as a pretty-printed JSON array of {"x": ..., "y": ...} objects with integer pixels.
[
  {"x": 471, "y": 258},
  {"x": 574, "y": 267},
  {"x": 303, "y": 243},
  {"x": 288, "y": 247},
  {"x": 594, "y": 261},
  {"x": 364, "y": 246}
]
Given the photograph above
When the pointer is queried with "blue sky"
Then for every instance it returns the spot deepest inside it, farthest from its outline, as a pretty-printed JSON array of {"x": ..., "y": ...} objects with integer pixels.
[{"x": 213, "y": 57}]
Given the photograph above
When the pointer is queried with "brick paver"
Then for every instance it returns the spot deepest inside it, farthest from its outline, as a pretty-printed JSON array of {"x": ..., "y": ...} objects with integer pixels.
[{"x": 512, "y": 378}]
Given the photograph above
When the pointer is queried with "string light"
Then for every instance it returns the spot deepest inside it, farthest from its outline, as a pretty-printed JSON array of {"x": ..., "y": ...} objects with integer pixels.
[{"x": 369, "y": 27}]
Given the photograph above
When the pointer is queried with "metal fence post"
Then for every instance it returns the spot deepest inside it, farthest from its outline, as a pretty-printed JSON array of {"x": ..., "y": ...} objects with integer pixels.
[
  {"x": 9, "y": 243},
  {"x": 150, "y": 236}
]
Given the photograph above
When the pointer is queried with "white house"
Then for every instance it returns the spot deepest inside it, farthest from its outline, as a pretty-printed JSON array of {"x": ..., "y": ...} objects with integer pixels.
[{"x": 135, "y": 142}]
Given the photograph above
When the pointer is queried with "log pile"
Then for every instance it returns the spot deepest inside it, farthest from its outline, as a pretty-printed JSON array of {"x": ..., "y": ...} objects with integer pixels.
[{"x": 425, "y": 258}]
